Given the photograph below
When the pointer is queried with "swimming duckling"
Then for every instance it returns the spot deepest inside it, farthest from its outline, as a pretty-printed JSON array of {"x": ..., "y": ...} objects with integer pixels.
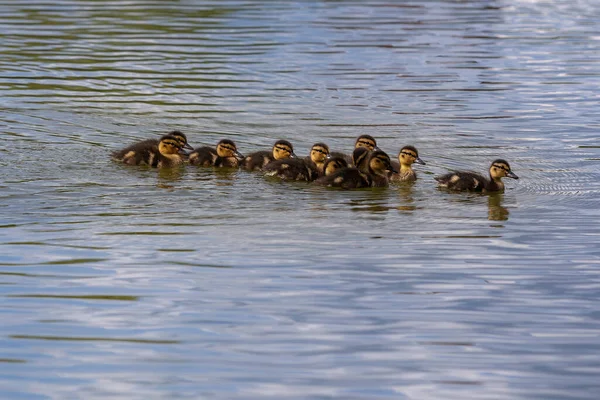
[
  {"x": 166, "y": 154},
  {"x": 256, "y": 161},
  {"x": 333, "y": 164},
  {"x": 319, "y": 152},
  {"x": 367, "y": 141},
  {"x": 471, "y": 181},
  {"x": 148, "y": 144},
  {"x": 379, "y": 167},
  {"x": 224, "y": 155},
  {"x": 330, "y": 167},
  {"x": 406, "y": 157},
  {"x": 297, "y": 169}
]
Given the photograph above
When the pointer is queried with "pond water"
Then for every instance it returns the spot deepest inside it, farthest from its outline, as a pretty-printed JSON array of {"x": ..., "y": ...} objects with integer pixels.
[{"x": 133, "y": 283}]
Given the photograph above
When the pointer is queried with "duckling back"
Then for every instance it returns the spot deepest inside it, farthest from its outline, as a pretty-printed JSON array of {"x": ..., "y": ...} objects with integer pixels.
[
  {"x": 204, "y": 156},
  {"x": 292, "y": 169},
  {"x": 346, "y": 178},
  {"x": 462, "y": 181},
  {"x": 257, "y": 160}
]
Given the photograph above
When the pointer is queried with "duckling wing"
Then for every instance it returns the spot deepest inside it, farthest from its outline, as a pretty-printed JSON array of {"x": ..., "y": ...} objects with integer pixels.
[
  {"x": 256, "y": 161},
  {"x": 462, "y": 181},
  {"x": 346, "y": 178},
  {"x": 291, "y": 169},
  {"x": 138, "y": 147},
  {"x": 203, "y": 156}
]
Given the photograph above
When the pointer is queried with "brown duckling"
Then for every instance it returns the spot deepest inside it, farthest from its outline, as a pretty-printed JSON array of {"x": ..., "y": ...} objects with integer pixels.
[
  {"x": 224, "y": 155},
  {"x": 379, "y": 167},
  {"x": 256, "y": 161},
  {"x": 406, "y": 157},
  {"x": 366, "y": 141},
  {"x": 330, "y": 167},
  {"x": 319, "y": 153},
  {"x": 471, "y": 181},
  {"x": 333, "y": 164},
  {"x": 297, "y": 169},
  {"x": 150, "y": 143},
  {"x": 167, "y": 153}
]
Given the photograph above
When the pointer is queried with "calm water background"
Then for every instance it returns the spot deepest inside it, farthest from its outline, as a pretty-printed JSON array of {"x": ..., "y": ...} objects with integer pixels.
[{"x": 133, "y": 283}]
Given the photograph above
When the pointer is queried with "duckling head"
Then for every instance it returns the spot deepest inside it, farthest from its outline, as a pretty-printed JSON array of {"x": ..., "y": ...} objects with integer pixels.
[
  {"x": 360, "y": 156},
  {"x": 182, "y": 139},
  {"x": 380, "y": 164},
  {"x": 500, "y": 169},
  {"x": 169, "y": 145},
  {"x": 227, "y": 148},
  {"x": 367, "y": 141},
  {"x": 333, "y": 164},
  {"x": 283, "y": 149},
  {"x": 409, "y": 155},
  {"x": 319, "y": 153}
]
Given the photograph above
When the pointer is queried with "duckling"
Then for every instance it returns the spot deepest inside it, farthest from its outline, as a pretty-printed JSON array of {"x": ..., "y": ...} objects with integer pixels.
[
  {"x": 146, "y": 145},
  {"x": 471, "y": 181},
  {"x": 406, "y": 157},
  {"x": 292, "y": 169},
  {"x": 379, "y": 167},
  {"x": 367, "y": 141},
  {"x": 165, "y": 154},
  {"x": 224, "y": 155},
  {"x": 256, "y": 161},
  {"x": 319, "y": 152},
  {"x": 333, "y": 164},
  {"x": 330, "y": 167},
  {"x": 296, "y": 169}
]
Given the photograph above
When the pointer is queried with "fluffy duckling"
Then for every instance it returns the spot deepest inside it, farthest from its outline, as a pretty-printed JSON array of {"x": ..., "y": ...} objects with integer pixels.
[
  {"x": 333, "y": 164},
  {"x": 319, "y": 153},
  {"x": 167, "y": 153},
  {"x": 379, "y": 167},
  {"x": 224, "y": 155},
  {"x": 256, "y": 161},
  {"x": 148, "y": 144},
  {"x": 366, "y": 141},
  {"x": 471, "y": 181},
  {"x": 406, "y": 157},
  {"x": 330, "y": 167},
  {"x": 296, "y": 169}
]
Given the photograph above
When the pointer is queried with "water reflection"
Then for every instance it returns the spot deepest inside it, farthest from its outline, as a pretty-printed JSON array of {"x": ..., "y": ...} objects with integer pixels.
[
  {"x": 405, "y": 197},
  {"x": 497, "y": 212}
]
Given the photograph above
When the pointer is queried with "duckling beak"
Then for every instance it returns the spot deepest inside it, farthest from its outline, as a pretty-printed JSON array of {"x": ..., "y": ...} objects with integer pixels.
[
  {"x": 238, "y": 155},
  {"x": 419, "y": 161},
  {"x": 328, "y": 156},
  {"x": 511, "y": 174},
  {"x": 293, "y": 155},
  {"x": 187, "y": 146},
  {"x": 376, "y": 148},
  {"x": 182, "y": 151}
]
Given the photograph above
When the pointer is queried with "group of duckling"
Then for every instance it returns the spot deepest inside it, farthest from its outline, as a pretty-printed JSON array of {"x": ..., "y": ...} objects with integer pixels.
[{"x": 368, "y": 166}]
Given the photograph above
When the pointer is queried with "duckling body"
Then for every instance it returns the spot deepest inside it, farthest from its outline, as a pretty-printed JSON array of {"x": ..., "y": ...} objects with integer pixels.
[
  {"x": 296, "y": 169},
  {"x": 366, "y": 141},
  {"x": 147, "y": 145},
  {"x": 256, "y": 161},
  {"x": 379, "y": 167},
  {"x": 224, "y": 155},
  {"x": 292, "y": 169},
  {"x": 474, "y": 182},
  {"x": 167, "y": 153},
  {"x": 407, "y": 156}
]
